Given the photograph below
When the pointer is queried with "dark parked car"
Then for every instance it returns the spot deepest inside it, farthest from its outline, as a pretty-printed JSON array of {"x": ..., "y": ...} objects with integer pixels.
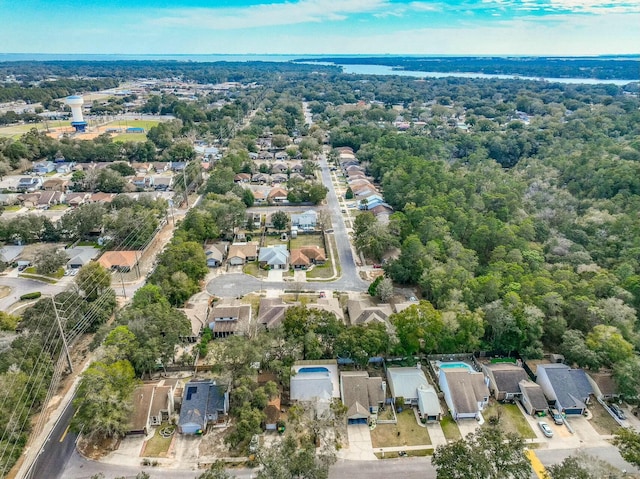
[
  {"x": 556, "y": 416},
  {"x": 617, "y": 411}
]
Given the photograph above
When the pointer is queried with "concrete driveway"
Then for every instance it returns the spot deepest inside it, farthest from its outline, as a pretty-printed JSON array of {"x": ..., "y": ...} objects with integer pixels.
[
  {"x": 360, "y": 447},
  {"x": 468, "y": 426}
]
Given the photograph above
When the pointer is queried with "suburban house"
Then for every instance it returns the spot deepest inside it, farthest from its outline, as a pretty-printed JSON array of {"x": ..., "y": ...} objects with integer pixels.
[
  {"x": 281, "y": 156},
  {"x": 81, "y": 255},
  {"x": 302, "y": 258},
  {"x": 279, "y": 168},
  {"x": 64, "y": 168},
  {"x": 10, "y": 253},
  {"x": 153, "y": 404},
  {"x": 162, "y": 183},
  {"x": 305, "y": 221},
  {"x": 77, "y": 199},
  {"x": 161, "y": 166},
  {"x": 227, "y": 319},
  {"x": 29, "y": 200},
  {"x": 261, "y": 178},
  {"x": 272, "y": 414},
  {"x": 204, "y": 403},
  {"x": 268, "y": 221},
  {"x": 275, "y": 257},
  {"x": 44, "y": 167},
  {"x": 297, "y": 168},
  {"x": 405, "y": 382},
  {"x": 277, "y": 195},
  {"x": 49, "y": 198},
  {"x": 31, "y": 183},
  {"x": 279, "y": 178},
  {"x": 216, "y": 253},
  {"x": 603, "y": 384},
  {"x": 315, "y": 382},
  {"x": 362, "y": 311},
  {"x": 429, "y": 403},
  {"x": 465, "y": 392},
  {"x": 178, "y": 165},
  {"x": 271, "y": 312},
  {"x": 362, "y": 395},
  {"x": 242, "y": 178},
  {"x": 101, "y": 197},
  {"x": 569, "y": 389},
  {"x": 532, "y": 398},
  {"x": 142, "y": 168},
  {"x": 504, "y": 380},
  {"x": 123, "y": 261},
  {"x": 241, "y": 253},
  {"x": 56, "y": 184},
  {"x": 259, "y": 197}
]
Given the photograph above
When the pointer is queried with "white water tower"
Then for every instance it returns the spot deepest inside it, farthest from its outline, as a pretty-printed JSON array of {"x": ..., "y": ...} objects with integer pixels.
[{"x": 77, "y": 121}]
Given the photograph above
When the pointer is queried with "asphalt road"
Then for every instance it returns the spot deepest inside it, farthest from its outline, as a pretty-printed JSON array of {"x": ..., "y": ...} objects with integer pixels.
[
  {"x": 57, "y": 450},
  {"x": 20, "y": 286}
]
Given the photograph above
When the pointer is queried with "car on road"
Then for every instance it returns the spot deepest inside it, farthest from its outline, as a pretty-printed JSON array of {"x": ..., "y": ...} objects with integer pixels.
[
  {"x": 546, "y": 429},
  {"x": 343, "y": 211},
  {"x": 323, "y": 294},
  {"x": 617, "y": 411},
  {"x": 377, "y": 266}
]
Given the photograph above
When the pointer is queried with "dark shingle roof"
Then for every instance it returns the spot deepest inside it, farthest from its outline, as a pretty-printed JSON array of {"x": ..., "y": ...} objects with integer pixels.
[{"x": 507, "y": 376}]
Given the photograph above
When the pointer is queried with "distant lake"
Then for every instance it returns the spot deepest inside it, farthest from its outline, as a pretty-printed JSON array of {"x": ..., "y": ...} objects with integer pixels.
[
  {"x": 387, "y": 70},
  {"x": 349, "y": 69}
]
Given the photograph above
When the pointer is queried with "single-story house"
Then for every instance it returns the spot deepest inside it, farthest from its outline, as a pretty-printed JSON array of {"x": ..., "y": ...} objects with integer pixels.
[
  {"x": 178, "y": 165},
  {"x": 362, "y": 395},
  {"x": 297, "y": 168},
  {"x": 272, "y": 414},
  {"x": 152, "y": 405},
  {"x": 259, "y": 197},
  {"x": 279, "y": 178},
  {"x": 161, "y": 166},
  {"x": 142, "y": 168},
  {"x": 281, "y": 156},
  {"x": 10, "y": 253},
  {"x": 81, "y": 255},
  {"x": 330, "y": 304},
  {"x": 241, "y": 253},
  {"x": 271, "y": 312},
  {"x": 49, "y": 198},
  {"x": 227, "y": 319},
  {"x": 305, "y": 221},
  {"x": 204, "y": 403},
  {"x": 142, "y": 181},
  {"x": 261, "y": 179},
  {"x": 569, "y": 389},
  {"x": 504, "y": 380},
  {"x": 101, "y": 197},
  {"x": 44, "y": 167},
  {"x": 77, "y": 199},
  {"x": 429, "y": 403},
  {"x": 362, "y": 311},
  {"x": 465, "y": 392},
  {"x": 216, "y": 253},
  {"x": 242, "y": 178},
  {"x": 603, "y": 384},
  {"x": 64, "y": 168},
  {"x": 404, "y": 383},
  {"x": 532, "y": 398},
  {"x": 29, "y": 200},
  {"x": 277, "y": 195},
  {"x": 56, "y": 184},
  {"x": 276, "y": 257},
  {"x": 302, "y": 258},
  {"x": 123, "y": 261},
  {"x": 279, "y": 168},
  {"x": 162, "y": 183}
]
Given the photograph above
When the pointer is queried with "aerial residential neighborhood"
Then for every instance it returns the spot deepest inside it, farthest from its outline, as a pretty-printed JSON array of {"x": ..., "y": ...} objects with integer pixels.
[{"x": 282, "y": 264}]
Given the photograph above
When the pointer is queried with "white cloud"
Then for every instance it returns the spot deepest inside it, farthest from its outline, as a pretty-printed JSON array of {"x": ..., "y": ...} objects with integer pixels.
[
  {"x": 597, "y": 6},
  {"x": 270, "y": 14}
]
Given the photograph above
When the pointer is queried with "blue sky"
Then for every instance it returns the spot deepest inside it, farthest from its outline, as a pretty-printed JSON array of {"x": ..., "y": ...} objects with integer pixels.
[{"x": 509, "y": 27}]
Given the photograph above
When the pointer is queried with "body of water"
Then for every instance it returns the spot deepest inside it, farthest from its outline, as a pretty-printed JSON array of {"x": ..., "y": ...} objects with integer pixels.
[{"x": 349, "y": 69}]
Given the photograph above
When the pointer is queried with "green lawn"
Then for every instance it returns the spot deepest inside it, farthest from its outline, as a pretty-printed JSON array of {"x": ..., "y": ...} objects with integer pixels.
[
  {"x": 18, "y": 130},
  {"x": 406, "y": 432},
  {"x": 511, "y": 419},
  {"x": 130, "y": 137},
  {"x": 158, "y": 446},
  {"x": 254, "y": 270},
  {"x": 13, "y": 208},
  {"x": 322, "y": 271},
  {"x": 57, "y": 275},
  {"x": 306, "y": 240},
  {"x": 450, "y": 429}
]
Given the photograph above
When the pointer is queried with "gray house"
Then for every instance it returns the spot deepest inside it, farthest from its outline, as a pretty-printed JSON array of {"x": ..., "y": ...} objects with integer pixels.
[
  {"x": 204, "y": 403},
  {"x": 569, "y": 389},
  {"x": 362, "y": 395},
  {"x": 504, "y": 380},
  {"x": 80, "y": 256},
  {"x": 532, "y": 398}
]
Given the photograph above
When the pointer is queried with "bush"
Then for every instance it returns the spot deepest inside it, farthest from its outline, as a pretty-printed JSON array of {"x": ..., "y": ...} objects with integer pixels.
[{"x": 34, "y": 295}]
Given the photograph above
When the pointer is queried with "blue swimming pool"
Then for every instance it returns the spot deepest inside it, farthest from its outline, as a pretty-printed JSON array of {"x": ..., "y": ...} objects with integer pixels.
[
  {"x": 455, "y": 365},
  {"x": 316, "y": 369}
]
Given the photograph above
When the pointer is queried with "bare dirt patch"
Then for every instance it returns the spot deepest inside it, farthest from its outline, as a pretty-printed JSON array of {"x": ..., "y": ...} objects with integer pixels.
[
  {"x": 95, "y": 448},
  {"x": 4, "y": 291},
  {"x": 601, "y": 420}
]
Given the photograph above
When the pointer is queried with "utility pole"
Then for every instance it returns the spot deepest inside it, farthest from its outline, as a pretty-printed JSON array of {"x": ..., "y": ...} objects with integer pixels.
[
  {"x": 184, "y": 178},
  {"x": 64, "y": 339}
]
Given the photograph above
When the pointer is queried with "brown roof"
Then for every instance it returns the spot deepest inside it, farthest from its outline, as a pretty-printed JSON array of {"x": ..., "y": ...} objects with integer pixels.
[
  {"x": 604, "y": 381},
  {"x": 112, "y": 259},
  {"x": 276, "y": 192},
  {"x": 102, "y": 197},
  {"x": 272, "y": 411},
  {"x": 142, "y": 397},
  {"x": 303, "y": 256},
  {"x": 271, "y": 311},
  {"x": 243, "y": 250},
  {"x": 467, "y": 389}
]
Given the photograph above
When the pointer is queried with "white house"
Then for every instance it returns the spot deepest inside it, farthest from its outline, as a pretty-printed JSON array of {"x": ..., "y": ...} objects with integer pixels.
[
  {"x": 465, "y": 392},
  {"x": 305, "y": 221}
]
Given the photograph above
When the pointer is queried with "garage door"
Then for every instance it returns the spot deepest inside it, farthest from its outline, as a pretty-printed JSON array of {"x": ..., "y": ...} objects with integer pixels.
[
  {"x": 573, "y": 411},
  {"x": 358, "y": 421}
]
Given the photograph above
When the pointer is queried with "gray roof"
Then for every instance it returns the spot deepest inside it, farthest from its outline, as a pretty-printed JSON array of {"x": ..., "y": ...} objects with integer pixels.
[
  {"x": 311, "y": 386},
  {"x": 534, "y": 394},
  {"x": 274, "y": 255},
  {"x": 10, "y": 252},
  {"x": 404, "y": 382},
  {"x": 506, "y": 376},
  {"x": 81, "y": 255},
  {"x": 202, "y": 402},
  {"x": 271, "y": 311},
  {"x": 428, "y": 401},
  {"x": 467, "y": 389},
  {"x": 571, "y": 386}
]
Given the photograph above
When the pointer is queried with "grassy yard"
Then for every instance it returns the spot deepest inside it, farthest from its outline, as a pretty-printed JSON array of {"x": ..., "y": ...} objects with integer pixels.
[
  {"x": 410, "y": 453},
  {"x": 59, "y": 207},
  {"x": 450, "y": 429},
  {"x": 306, "y": 240},
  {"x": 18, "y": 130},
  {"x": 157, "y": 446},
  {"x": 254, "y": 270},
  {"x": 57, "y": 275},
  {"x": 602, "y": 421},
  {"x": 406, "y": 433},
  {"x": 130, "y": 137},
  {"x": 13, "y": 208},
  {"x": 511, "y": 419},
  {"x": 321, "y": 271}
]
